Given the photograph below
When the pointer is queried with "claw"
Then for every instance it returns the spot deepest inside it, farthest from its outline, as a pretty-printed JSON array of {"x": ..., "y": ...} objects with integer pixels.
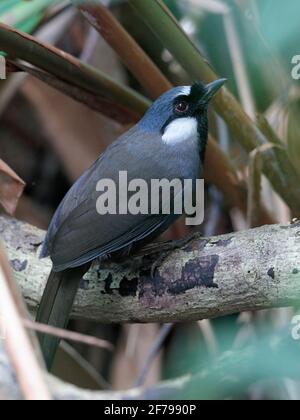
[{"x": 158, "y": 262}]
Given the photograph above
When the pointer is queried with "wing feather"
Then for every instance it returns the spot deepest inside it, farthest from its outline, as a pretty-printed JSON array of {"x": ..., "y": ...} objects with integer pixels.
[{"x": 78, "y": 234}]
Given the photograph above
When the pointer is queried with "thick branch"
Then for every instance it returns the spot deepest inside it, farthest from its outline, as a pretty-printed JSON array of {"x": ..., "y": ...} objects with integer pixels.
[{"x": 205, "y": 278}]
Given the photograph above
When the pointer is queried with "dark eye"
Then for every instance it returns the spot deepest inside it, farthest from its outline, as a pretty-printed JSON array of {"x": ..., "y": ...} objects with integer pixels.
[{"x": 182, "y": 107}]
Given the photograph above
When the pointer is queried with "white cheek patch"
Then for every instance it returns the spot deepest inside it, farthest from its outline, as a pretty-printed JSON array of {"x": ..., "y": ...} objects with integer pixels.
[
  {"x": 186, "y": 90},
  {"x": 180, "y": 130}
]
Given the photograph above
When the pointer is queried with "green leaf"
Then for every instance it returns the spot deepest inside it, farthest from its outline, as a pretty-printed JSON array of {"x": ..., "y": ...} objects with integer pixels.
[
  {"x": 23, "y": 10},
  {"x": 7, "y": 5},
  {"x": 30, "y": 24}
]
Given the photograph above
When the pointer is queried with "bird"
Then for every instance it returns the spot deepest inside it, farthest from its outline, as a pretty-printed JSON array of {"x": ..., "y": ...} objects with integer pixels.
[{"x": 169, "y": 142}]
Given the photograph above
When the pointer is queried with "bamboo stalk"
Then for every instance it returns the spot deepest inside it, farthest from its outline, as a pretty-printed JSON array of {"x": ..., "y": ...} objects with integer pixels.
[
  {"x": 164, "y": 25},
  {"x": 132, "y": 55},
  {"x": 95, "y": 102},
  {"x": 239, "y": 66},
  {"x": 68, "y": 68}
]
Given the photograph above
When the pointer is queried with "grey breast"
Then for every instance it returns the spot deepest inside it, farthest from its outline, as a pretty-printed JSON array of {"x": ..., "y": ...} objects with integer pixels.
[{"x": 78, "y": 234}]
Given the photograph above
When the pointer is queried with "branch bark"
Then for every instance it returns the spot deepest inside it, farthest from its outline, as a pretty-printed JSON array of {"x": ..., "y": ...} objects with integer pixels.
[{"x": 203, "y": 278}]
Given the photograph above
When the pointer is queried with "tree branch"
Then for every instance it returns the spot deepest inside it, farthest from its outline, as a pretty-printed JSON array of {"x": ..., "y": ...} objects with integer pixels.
[{"x": 205, "y": 278}]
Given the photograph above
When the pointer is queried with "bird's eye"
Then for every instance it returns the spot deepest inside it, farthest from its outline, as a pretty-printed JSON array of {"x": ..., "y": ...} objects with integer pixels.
[{"x": 182, "y": 107}]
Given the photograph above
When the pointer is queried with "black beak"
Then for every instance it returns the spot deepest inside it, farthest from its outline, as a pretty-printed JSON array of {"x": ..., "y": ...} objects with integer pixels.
[{"x": 211, "y": 89}]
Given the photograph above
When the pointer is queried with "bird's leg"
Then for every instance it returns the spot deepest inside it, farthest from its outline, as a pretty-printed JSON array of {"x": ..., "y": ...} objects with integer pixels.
[
  {"x": 157, "y": 263},
  {"x": 167, "y": 246}
]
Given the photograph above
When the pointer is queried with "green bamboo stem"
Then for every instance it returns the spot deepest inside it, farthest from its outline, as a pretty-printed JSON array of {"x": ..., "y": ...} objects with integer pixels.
[
  {"x": 164, "y": 25},
  {"x": 66, "y": 67}
]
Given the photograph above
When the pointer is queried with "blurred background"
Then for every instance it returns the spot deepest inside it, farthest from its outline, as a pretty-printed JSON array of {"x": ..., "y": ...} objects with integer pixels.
[{"x": 48, "y": 139}]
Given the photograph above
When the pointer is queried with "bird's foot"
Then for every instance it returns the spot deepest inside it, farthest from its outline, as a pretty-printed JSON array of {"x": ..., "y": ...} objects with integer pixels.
[{"x": 157, "y": 263}]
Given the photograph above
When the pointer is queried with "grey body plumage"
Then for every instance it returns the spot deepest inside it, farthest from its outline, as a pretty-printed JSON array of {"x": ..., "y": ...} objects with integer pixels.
[
  {"x": 169, "y": 142},
  {"x": 78, "y": 234}
]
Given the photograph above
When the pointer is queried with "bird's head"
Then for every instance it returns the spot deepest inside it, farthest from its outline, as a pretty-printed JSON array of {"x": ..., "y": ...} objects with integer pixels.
[{"x": 181, "y": 112}]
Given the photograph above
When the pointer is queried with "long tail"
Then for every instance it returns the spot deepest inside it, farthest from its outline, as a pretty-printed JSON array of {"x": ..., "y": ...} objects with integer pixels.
[{"x": 56, "y": 306}]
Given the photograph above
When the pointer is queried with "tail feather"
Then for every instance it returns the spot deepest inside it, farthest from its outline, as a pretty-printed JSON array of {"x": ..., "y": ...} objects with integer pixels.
[{"x": 56, "y": 306}]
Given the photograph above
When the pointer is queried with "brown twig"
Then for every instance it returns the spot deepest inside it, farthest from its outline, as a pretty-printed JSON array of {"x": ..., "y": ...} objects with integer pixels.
[
  {"x": 11, "y": 188},
  {"x": 17, "y": 343},
  {"x": 154, "y": 350},
  {"x": 132, "y": 55},
  {"x": 68, "y": 335}
]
